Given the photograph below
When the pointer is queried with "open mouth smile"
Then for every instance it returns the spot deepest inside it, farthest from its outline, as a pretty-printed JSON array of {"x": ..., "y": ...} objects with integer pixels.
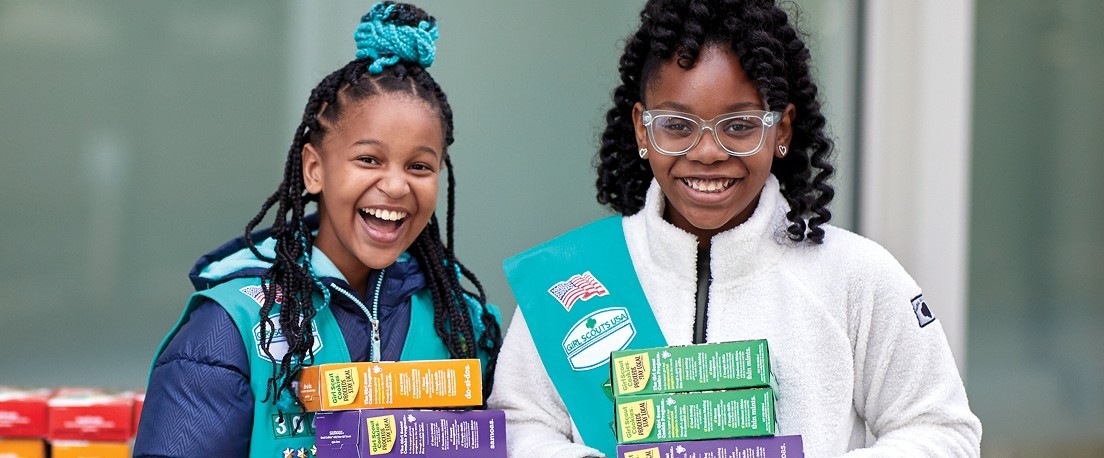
[{"x": 383, "y": 225}]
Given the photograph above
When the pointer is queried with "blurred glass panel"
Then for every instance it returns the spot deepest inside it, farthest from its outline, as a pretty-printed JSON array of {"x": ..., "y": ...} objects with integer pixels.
[
  {"x": 1036, "y": 361},
  {"x": 136, "y": 136},
  {"x": 833, "y": 36}
]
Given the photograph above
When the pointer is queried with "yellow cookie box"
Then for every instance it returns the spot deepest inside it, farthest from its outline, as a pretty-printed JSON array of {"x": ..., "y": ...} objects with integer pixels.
[
  {"x": 81, "y": 449},
  {"x": 22, "y": 448}
]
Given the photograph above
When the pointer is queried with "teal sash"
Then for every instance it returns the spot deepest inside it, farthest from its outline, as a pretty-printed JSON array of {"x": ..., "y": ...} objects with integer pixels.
[{"x": 581, "y": 299}]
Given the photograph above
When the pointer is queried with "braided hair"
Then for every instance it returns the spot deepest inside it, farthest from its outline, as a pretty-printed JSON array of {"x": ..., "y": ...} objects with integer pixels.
[
  {"x": 291, "y": 280},
  {"x": 772, "y": 54}
]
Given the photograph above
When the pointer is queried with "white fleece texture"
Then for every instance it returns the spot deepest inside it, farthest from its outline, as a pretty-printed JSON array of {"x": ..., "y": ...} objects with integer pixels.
[{"x": 845, "y": 343}]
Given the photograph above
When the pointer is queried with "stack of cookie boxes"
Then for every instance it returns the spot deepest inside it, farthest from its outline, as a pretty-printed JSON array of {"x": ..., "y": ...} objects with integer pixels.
[
  {"x": 697, "y": 401},
  {"x": 23, "y": 422},
  {"x": 75, "y": 422},
  {"x": 381, "y": 409}
]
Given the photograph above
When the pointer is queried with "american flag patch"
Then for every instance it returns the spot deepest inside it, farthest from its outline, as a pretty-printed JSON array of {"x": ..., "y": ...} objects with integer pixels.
[
  {"x": 256, "y": 293},
  {"x": 578, "y": 287}
]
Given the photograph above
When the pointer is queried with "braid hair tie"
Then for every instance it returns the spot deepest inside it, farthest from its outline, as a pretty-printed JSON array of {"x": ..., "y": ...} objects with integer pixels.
[{"x": 386, "y": 43}]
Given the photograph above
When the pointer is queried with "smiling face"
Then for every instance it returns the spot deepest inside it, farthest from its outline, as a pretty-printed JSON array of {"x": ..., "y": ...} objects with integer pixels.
[
  {"x": 376, "y": 172},
  {"x": 707, "y": 190}
]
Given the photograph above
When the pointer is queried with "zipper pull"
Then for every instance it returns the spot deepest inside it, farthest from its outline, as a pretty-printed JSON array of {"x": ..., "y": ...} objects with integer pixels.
[{"x": 375, "y": 340}]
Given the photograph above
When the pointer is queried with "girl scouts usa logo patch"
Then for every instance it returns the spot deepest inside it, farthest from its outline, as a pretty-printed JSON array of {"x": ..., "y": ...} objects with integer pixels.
[
  {"x": 578, "y": 287},
  {"x": 279, "y": 346},
  {"x": 589, "y": 342},
  {"x": 923, "y": 313}
]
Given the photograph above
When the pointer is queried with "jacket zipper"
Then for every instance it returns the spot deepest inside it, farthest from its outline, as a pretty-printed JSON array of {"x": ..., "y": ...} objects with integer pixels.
[
  {"x": 702, "y": 296},
  {"x": 373, "y": 315}
]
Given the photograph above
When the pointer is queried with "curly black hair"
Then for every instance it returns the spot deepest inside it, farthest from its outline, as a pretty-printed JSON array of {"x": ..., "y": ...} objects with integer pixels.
[
  {"x": 290, "y": 274},
  {"x": 771, "y": 52}
]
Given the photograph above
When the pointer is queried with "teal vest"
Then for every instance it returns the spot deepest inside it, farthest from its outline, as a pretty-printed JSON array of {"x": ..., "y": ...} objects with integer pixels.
[
  {"x": 241, "y": 298},
  {"x": 582, "y": 300}
]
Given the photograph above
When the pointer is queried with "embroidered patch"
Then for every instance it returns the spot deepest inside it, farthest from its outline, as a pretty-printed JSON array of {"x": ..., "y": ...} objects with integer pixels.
[
  {"x": 279, "y": 345},
  {"x": 256, "y": 293},
  {"x": 578, "y": 287},
  {"x": 923, "y": 313},
  {"x": 589, "y": 342}
]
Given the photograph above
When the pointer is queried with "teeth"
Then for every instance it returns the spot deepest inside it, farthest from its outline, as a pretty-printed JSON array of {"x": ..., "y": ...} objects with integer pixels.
[
  {"x": 387, "y": 215},
  {"x": 716, "y": 185}
]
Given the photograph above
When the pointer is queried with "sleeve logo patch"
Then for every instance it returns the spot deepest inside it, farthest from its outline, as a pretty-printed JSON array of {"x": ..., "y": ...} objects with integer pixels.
[{"x": 923, "y": 313}]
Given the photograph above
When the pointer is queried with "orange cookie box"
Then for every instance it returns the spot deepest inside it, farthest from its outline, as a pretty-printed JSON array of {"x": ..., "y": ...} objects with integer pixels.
[{"x": 449, "y": 383}]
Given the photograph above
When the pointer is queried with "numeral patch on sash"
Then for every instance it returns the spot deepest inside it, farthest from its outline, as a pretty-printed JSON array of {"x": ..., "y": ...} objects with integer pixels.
[{"x": 303, "y": 425}]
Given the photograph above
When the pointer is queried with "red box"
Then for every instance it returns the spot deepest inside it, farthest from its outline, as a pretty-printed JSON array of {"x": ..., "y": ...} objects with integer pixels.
[
  {"x": 90, "y": 415},
  {"x": 23, "y": 412}
]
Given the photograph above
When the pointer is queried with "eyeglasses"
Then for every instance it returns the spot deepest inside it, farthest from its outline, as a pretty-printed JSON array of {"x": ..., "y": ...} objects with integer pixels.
[{"x": 740, "y": 134}]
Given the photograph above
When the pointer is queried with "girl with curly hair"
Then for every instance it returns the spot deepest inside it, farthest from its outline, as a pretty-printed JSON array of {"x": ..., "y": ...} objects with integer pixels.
[
  {"x": 716, "y": 158},
  {"x": 366, "y": 278}
]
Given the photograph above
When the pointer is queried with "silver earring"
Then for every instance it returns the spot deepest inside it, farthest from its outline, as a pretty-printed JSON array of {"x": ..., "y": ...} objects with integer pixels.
[
  {"x": 643, "y": 152},
  {"x": 782, "y": 150}
]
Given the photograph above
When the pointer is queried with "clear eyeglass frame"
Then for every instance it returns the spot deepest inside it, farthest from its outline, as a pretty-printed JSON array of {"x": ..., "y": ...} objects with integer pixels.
[{"x": 769, "y": 119}]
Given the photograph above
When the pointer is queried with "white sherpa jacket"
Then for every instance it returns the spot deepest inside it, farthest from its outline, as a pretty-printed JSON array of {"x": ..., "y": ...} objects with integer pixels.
[{"x": 846, "y": 344}]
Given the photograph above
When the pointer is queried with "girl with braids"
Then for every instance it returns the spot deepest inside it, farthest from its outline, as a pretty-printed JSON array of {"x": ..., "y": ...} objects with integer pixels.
[
  {"x": 366, "y": 278},
  {"x": 716, "y": 158}
]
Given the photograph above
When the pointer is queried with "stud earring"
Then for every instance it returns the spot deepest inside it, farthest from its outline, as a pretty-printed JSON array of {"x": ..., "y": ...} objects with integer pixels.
[
  {"x": 643, "y": 152},
  {"x": 782, "y": 150}
]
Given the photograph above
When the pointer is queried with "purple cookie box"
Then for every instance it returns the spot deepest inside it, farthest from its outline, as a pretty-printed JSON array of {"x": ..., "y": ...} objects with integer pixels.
[
  {"x": 428, "y": 433},
  {"x": 749, "y": 447}
]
